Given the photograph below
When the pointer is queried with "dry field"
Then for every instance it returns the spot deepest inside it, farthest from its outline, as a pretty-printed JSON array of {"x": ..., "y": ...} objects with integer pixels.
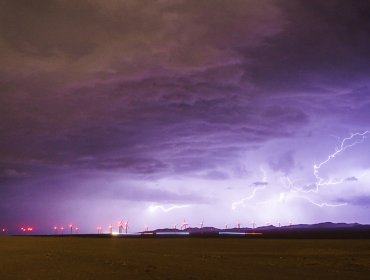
[{"x": 54, "y": 258}]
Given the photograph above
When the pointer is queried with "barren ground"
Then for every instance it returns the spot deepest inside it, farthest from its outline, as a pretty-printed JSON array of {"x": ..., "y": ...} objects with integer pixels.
[{"x": 182, "y": 258}]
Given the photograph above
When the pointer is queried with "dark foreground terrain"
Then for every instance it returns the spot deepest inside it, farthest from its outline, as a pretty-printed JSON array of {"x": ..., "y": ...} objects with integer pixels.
[{"x": 182, "y": 258}]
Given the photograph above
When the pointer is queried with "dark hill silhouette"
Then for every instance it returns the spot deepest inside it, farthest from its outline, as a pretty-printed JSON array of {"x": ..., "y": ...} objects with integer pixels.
[{"x": 320, "y": 230}]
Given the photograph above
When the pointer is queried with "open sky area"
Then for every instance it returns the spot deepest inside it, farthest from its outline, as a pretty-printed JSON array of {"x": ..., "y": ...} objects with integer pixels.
[{"x": 156, "y": 111}]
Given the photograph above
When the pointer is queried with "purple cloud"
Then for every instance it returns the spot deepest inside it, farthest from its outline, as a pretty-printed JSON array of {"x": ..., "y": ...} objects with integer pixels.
[{"x": 191, "y": 97}]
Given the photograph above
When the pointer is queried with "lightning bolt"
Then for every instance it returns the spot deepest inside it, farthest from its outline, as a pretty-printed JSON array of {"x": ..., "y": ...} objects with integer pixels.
[
  {"x": 284, "y": 196},
  {"x": 324, "y": 204},
  {"x": 168, "y": 208},
  {"x": 345, "y": 144},
  {"x": 238, "y": 203}
]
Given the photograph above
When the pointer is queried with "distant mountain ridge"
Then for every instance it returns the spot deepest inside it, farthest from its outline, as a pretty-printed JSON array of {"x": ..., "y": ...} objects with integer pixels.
[{"x": 318, "y": 226}]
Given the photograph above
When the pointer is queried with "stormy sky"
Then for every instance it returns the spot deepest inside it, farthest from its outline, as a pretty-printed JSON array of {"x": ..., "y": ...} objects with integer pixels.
[{"x": 158, "y": 111}]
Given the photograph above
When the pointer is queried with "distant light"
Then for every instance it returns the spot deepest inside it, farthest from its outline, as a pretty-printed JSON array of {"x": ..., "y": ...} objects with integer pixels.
[
  {"x": 239, "y": 233},
  {"x": 172, "y": 233},
  {"x": 130, "y": 233},
  {"x": 231, "y": 233}
]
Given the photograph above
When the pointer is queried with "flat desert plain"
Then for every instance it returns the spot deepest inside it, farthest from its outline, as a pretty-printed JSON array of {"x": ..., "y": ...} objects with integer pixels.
[{"x": 39, "y": 258}]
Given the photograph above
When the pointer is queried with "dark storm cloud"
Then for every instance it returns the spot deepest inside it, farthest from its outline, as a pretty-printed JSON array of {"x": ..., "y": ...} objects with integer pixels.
[
  {"x": 88, "y": 79},
  {"x": 43, "y": 27},
  {"x": 357, "y": 200},
  {"x": 48, "y": 28},
  {"x": 164, "y": 89},
  {"x": 134, "y": 165},
  {"x": 129, "y": 36},
  {"x": 187, "y": 125},
  {"x": 352, "y": 179},
  {"x": 118, "y": 78},
  {"x": 322, "y": 43},
  {"x": 260, "y": 184}
]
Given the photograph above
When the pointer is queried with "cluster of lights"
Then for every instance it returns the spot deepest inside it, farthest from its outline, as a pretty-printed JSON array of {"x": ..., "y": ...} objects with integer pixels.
[
  {"x": 25, "y": 229},
  {"x": 121, "y": 225},
  {"x": 62, "y": 228}
]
